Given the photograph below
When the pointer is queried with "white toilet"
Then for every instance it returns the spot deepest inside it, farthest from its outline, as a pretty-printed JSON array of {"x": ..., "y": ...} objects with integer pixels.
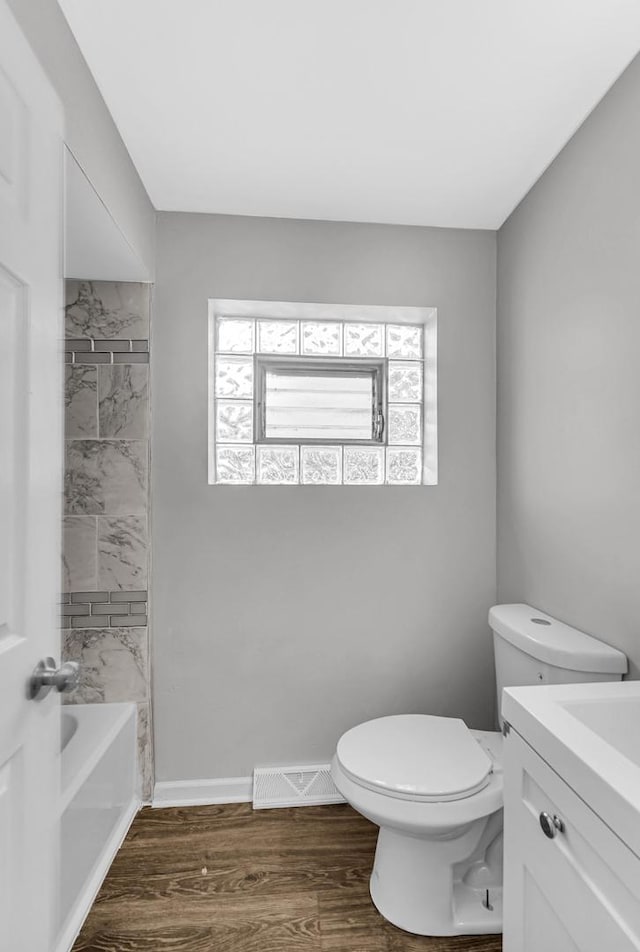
[{"x": 434, "y": 787}]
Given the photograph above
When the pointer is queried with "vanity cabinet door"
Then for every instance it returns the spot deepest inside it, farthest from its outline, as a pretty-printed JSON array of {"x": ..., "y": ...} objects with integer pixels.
[{"x": 577, "y": 890}]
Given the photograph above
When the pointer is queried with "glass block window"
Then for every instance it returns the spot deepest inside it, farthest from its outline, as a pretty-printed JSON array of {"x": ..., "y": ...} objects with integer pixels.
[{"x": 320, "y": 401}]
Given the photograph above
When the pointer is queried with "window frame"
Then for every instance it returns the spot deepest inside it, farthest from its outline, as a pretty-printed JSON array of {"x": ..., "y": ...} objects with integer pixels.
[{"x": 376, "y": 367}]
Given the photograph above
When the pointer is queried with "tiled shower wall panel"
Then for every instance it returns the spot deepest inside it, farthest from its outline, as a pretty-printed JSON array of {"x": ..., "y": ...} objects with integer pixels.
[{"x": 105, "y": 548}]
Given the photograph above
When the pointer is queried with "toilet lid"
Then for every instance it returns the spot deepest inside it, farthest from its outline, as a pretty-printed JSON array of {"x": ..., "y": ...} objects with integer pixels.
[{"x": 415, "y": 757}]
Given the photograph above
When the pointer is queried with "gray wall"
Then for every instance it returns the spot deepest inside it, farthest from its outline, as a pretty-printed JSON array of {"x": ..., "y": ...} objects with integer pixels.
[
  {"x": 91, "y": 133},
  {"x": 569, "y": 381},
  {"x": 283, "y": 616}
]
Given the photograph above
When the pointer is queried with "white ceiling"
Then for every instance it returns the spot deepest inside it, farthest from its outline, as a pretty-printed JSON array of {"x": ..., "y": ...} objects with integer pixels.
[{"x": 426, "y": 112}]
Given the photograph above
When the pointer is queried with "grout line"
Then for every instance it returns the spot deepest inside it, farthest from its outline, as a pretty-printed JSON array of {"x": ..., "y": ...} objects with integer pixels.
[{"x": 97, "y": 572}]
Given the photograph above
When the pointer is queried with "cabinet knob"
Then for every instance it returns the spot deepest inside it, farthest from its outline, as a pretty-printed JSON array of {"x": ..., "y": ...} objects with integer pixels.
[{"x": 551, "y": 825}]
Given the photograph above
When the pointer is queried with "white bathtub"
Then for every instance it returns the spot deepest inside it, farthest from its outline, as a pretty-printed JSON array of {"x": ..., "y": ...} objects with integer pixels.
[
  {"x": 68, "y": 726},
  {"x": 98, "y": 800}
]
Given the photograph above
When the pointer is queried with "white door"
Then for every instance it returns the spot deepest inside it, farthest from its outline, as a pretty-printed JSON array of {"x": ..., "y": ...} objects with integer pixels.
[{"x": 31, "y": 196}]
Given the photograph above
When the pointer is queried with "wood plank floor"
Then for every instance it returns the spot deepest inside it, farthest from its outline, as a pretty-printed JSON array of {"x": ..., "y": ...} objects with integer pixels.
[{"x": 231, "y": 879}]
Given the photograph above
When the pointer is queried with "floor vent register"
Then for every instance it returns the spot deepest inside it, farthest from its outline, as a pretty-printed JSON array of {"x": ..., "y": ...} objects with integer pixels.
[{"x": 301, "y": 786}]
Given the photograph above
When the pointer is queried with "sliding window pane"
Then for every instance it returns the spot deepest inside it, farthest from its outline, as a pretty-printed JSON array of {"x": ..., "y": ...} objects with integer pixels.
[{"x": 319, "y": 406}]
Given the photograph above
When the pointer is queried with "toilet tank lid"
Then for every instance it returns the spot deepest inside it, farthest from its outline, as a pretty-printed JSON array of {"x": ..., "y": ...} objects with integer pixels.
[{"x": 549, "y": 640}]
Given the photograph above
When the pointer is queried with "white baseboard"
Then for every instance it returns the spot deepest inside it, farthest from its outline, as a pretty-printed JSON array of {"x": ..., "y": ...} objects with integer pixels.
[
  {"x": 84, "y": 902},
  {"x": 187, "y": 793}
]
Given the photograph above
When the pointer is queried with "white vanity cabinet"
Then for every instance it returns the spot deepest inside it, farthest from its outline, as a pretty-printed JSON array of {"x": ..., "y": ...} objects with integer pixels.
[{"x": 577, "y": 890}]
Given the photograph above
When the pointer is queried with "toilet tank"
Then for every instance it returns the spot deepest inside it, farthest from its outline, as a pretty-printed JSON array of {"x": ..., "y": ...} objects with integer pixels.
[{"x": 533, "y": 648}]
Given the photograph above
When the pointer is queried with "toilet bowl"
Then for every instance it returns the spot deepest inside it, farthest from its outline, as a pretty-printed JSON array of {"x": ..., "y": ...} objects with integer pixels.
[
  {"x": 434, "y": 787},
  {"x": 435, "y": 790}
]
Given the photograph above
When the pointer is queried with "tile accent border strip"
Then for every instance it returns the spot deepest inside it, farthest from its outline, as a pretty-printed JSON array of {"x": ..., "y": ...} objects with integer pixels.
[
  {"x": 85, "y": 350},
  {"x": 103, "y": 609}
]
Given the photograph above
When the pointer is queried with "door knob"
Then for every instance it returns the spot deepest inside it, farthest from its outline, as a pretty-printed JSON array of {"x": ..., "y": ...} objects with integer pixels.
[{"x": 47, "y": 676}]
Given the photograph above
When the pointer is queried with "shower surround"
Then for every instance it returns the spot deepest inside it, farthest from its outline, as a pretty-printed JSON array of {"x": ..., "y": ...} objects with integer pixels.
[{"x": 105, "y": 551}]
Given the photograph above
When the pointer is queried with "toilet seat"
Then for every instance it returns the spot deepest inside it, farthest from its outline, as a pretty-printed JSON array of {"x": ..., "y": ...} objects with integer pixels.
[{"x": 416, "y": 757}]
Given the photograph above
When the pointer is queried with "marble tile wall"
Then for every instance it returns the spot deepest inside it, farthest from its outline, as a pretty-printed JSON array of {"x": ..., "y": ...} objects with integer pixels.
[{"x": 105, "y": 561}]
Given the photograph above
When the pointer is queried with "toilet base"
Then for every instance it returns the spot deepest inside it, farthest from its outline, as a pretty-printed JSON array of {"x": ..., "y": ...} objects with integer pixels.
[{"x": 415, "y": 887}]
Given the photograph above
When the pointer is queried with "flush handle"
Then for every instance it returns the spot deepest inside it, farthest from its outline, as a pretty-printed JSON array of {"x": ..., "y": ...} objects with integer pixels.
[
  {"x": 46, "y": 676},
  {"x": 551, "y": 825}
]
